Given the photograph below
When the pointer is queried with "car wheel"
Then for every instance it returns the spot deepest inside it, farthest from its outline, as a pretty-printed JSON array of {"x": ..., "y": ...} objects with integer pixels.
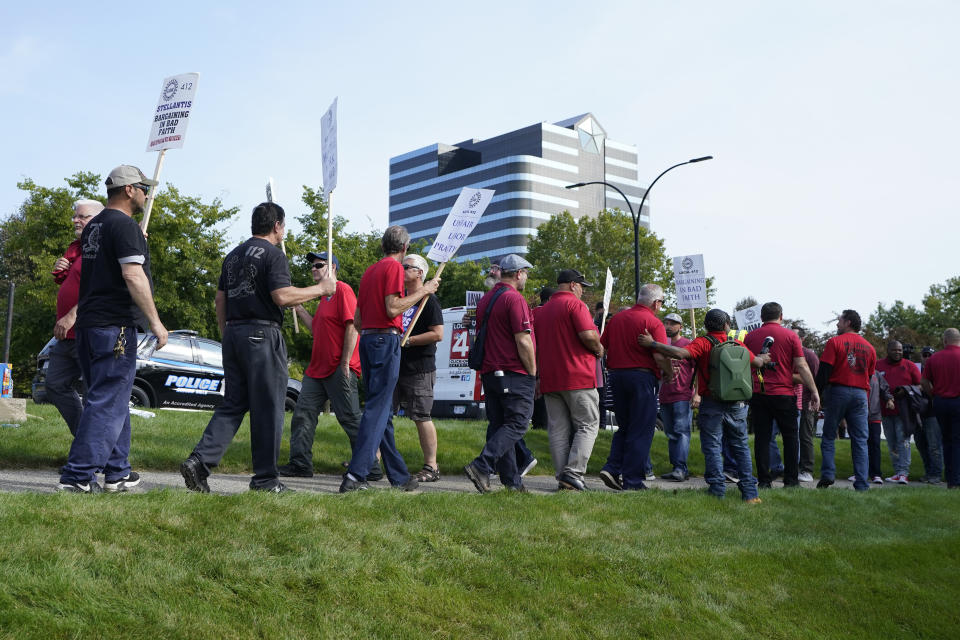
[
  {"x": 139, "y": 398},
  {"x": 289, "y": 404}
]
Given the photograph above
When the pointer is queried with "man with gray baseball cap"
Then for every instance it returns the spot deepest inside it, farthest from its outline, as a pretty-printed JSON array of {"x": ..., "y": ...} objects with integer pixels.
[{"x": 127, "y": 174}]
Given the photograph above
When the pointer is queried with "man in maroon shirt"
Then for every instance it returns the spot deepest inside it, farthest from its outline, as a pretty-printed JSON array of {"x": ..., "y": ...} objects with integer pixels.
[
  {"x": 63, "y": 368},
  {"x": 898, "y": 372},
  {"x": 508, "y": 373},
  {"x": 941, "y": 378},
  {"x": 567, "y": 353},
  {"x": 808, "y": 420},
  {"x": 720, "y": 421},
  {"x": 635, "y": 372},
  {"x": 846, "y": 365},
  {"x": 333, "y": 371},
  {"x": 379, "y": 318},
  {"x": 774, "y": 399},
  {"x": 678, "y": 399}
]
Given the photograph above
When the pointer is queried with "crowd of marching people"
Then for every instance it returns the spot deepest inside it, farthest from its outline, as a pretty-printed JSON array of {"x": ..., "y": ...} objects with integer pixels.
[{"x": 558, "y": 360}]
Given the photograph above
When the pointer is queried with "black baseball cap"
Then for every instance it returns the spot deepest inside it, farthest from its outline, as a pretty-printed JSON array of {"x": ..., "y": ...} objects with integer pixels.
[{"x": 572, "y": 275}]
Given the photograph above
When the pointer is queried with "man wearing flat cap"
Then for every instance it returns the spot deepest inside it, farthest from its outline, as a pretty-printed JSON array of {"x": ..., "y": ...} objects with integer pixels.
[
  {"x": 508, "y": 373},
  {"x": 333, "y": 371},
  {"x": 114, "y": 279},
  {"x": 567, "y": 353}
]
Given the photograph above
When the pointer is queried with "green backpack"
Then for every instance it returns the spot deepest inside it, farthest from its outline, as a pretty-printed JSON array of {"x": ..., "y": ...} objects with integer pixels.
[{"x": 730, "y": 378}]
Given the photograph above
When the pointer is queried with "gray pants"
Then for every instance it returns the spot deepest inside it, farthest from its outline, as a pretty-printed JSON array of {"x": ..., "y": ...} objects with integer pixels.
[
  {"x": 63, "y": 371},
  {"x": 341, "y": 391},
  {"x": 573, "y": 419},
  {"x": 255, "y": 363},
  {"x": 808, "y": 430}
]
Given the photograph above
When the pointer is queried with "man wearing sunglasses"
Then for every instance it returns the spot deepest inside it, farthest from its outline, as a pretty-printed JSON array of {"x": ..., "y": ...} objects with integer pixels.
[{"x": 114, "y": 283}]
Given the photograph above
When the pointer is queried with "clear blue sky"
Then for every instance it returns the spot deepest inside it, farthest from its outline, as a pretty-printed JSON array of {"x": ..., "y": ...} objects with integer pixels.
[{"x": 833, "y": 124}]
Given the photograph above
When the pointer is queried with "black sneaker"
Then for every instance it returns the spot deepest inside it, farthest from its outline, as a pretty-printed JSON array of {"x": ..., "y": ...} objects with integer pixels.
[
  {"x": 611, "y": 480},
  {"x": 824, "y": 483},
  {"x": 674, "y": 476},
  {"x": 349, "y": 484},
  {"x": 410, "y": 485},
  {"x": 194, "y": 474},
  {"x": 571, "y": 482},
  {"x": 764, "y": 485},
  {"x": 291, "y": 471},
  {"x": 125, "y": 483},
  {"x": 375, "y": 474},
  {"x": 480, "y": 480},
  {"x": 76, "y": 487},
  {"x": 277, "y": 488}
]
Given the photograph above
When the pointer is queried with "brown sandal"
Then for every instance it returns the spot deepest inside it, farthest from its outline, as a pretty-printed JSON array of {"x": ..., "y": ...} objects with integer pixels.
[{"x": 428, "y": 474}]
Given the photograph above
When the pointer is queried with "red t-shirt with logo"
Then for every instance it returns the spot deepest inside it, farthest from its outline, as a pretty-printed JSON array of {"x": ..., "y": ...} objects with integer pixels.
[
  {"x": 510, "y": 315},
  {"x": 681, "y": 390},
  {"x": 329, "y": 326},
  {"x": 898, "y": 374},
  {"x": 562, "y": 360},
  {"x": 69, "y": 292},
  {"x": 786, "y": 346},
  {"x": 620, "y": 339},
  {"x": 700, "y": 350},
  {"x": 380, "y": 280},
  {"x": 943, "y": 372},
  {"x": 853, "y": 360}
]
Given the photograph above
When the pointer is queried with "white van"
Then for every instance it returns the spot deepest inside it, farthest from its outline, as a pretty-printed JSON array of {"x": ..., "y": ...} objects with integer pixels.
[{"x": 457, "y": 393}]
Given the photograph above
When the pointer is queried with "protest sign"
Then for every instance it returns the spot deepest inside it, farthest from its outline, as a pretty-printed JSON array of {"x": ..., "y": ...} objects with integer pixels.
[
  {"x": 172, "y": 115},
  {"x": 748, "y": 319},
  {"x": 607, "y": 296},
  {"x": 473, "y": 297},
  {"x": 691, "y": 281},
  {"x": 461, "y": 220},
  {"x": 328, "y": 147}
]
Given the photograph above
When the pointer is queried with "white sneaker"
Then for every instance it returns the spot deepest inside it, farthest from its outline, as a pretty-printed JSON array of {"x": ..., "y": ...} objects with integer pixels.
[
  {"x": 852, "y": 478},
  {"x": 650, "y": 476},
  {"x": 805, "y": 477},
  {"x": 529, "y": 467},
  {"x": 902, "y": 479},
  {"x": 876, "y": 480}
]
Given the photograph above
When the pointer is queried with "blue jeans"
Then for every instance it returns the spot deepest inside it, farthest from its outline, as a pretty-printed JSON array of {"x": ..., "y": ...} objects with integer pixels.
[
  {"x": 898, "y": 442},
  {"x": 102, "y": 441},
  {"x": 726, "y": 422},
  {"x": 509, "y": 408},
  {"x": 677, "y": 418},
  {"x": 380, "y": 363},
  {"x": 930, "y": 445},
  {"x": 948, "y": 415},
  {"x": 850, "y": 403},
  {"x": 635, "y": 403}
]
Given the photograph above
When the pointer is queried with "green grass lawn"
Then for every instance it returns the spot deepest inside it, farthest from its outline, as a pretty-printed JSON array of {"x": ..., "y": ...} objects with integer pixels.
[
  {"x": 385, "y": 564},
  {"x": 161, "y": 443}
]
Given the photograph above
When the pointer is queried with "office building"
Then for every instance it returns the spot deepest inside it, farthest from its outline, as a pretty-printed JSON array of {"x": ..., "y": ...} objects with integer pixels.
[{"x": 528, "y": 169}]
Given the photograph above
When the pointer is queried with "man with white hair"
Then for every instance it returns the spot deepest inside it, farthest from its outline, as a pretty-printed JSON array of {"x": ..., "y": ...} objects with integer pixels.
[
  {"x": 63, "y": 368},
  {"x": 941, "y": 379},
  {"x": 635, "y": 373}
]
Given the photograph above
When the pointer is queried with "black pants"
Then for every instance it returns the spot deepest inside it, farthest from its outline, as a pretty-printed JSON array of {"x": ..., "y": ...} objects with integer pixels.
[
  {"x": 764, "y": 410},
  {"x": 873, "y": 449},
  {"x": 255, "y": 364},
  {"x": 509, "y": 407}
]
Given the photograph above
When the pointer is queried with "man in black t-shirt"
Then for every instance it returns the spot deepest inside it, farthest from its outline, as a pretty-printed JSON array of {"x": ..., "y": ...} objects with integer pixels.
[
  {"x": 418, "y": 365},
  {"x": 253, "y": 289},
  {"x": 114, "y": 280}
]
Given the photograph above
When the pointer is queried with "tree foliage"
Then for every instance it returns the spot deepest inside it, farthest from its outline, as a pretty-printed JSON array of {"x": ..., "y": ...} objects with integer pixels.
[
  {"x": 923, "y": 326},
  {"x": 185, "y": 251}
]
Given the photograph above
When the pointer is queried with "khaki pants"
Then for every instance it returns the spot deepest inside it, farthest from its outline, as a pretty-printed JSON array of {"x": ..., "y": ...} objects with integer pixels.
[{"x": 573, "y": 419}]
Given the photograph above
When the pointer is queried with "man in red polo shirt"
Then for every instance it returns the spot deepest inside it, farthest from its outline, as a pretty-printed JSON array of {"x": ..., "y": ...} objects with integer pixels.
[
  {"x": 941, "y": 378},
  {"x": 898, "y": 372},
  {"x": 333, "y": 371},
  {"x": 567, "y": 353},
  {"x": 635, "y": 372},
  {"x": 508, "y": 373},
  {"x": 846, "y": 365},
  {"x": 775, "y": 399},
  {"x": 379, "y": 318},
  {"x": 63, "y": 369},
  {"x": 721, "y": 422}
]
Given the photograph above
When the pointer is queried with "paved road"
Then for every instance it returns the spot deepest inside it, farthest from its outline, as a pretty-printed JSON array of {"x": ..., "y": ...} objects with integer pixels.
[{"x": 45, "y": 481}]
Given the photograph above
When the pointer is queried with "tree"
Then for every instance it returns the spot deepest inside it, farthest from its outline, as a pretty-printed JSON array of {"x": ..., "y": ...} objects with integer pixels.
[
  {"x": 940, "y": 309},
  {"x": 186, "y": 250},
  {"x": 591, "y": 245}
]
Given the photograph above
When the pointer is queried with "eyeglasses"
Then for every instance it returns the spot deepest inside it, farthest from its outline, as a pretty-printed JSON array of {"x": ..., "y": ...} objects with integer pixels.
[
  {"x": 660, "y": 300},
  {"x": 142, "y": 187},
  {"x": 410, "y": 266},
  {"x": 318, "y": 265}
]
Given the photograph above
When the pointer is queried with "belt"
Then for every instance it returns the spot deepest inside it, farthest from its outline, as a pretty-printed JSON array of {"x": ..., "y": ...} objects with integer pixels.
[
  {"x": 644, "y": 369},
  {"x": 266, "y": 323},
  {"x": 389, "y": 330}
]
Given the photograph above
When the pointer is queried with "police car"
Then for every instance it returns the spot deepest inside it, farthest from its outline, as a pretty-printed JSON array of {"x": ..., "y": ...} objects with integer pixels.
[{"x": 187, "y": 374}]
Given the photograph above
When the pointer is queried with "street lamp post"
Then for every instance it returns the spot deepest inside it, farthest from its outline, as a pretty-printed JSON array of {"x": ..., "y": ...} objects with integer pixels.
[{"x": 636, "y": 217}]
